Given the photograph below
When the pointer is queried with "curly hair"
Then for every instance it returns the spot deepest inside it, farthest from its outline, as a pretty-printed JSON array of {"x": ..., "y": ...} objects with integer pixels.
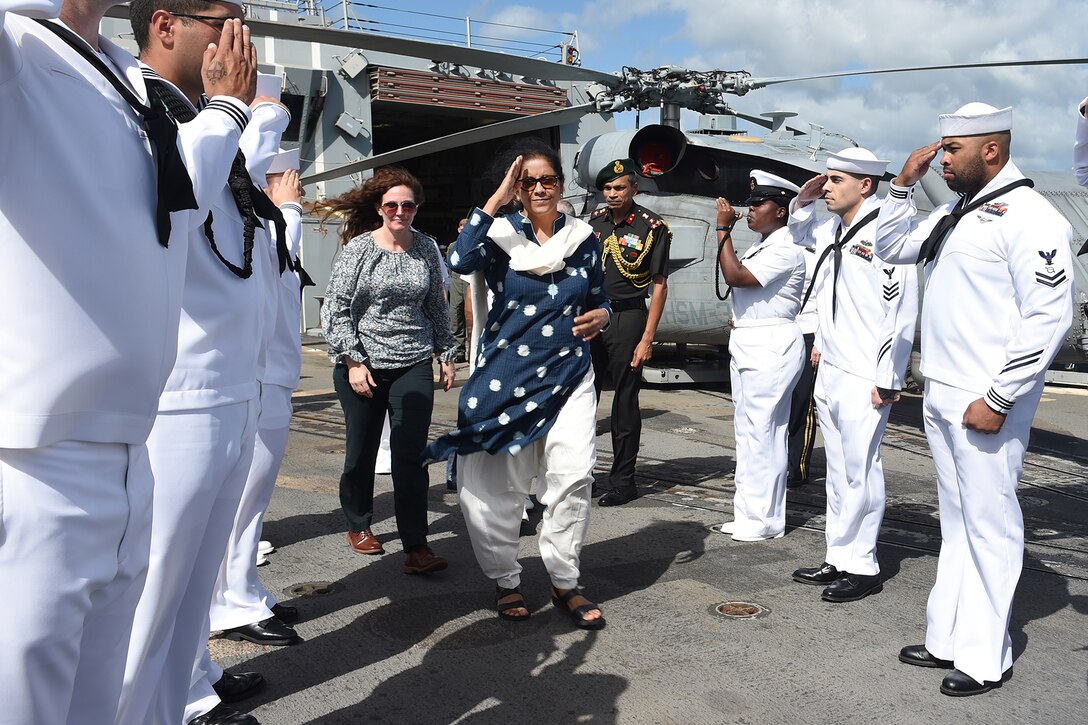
[{"x": 358, "y": 207}]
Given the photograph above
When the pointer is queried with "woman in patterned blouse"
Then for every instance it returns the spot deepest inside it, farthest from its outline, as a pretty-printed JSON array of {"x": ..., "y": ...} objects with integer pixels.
[
  {"x": 528, "y": 410},
  {"x": 384, "y": 318}
]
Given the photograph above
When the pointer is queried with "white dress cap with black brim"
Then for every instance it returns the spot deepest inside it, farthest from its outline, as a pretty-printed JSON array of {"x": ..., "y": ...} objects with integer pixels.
[
  {"x": 856, "y": 161},
  {"x": 286, "y": 159},
  {"x": 768, "y": 186},
  {"x": 975, "y": 119}
]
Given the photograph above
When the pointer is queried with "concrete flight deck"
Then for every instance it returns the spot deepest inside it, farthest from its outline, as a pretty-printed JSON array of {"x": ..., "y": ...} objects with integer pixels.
[{"x": 385, "y": 647}]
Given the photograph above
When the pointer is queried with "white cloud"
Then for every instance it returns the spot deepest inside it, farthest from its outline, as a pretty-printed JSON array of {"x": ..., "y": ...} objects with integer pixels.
[{"x": 891, "y": 114}]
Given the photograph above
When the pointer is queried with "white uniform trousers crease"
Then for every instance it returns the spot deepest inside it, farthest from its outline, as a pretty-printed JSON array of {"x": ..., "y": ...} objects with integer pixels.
[
  {"x": 75, "y": 526},
  {"x": 493, "y": 490},
  {"x": 982, "y": 531},
  {"x": 852, "y": 430},
  {"x": 765, "y": 364},
  {"x": 201, "y": 460}
]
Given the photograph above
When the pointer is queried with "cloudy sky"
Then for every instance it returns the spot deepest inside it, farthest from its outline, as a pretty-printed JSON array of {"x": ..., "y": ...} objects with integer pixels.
[{"x": 890, "y": 114}]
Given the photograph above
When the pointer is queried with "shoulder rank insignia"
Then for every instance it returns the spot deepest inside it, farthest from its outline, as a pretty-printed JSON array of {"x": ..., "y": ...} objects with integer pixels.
[
  {"x": 599, "y": 212},
  {"x": 1050, "y": 277},
  {"x": 654, "y": 223}
]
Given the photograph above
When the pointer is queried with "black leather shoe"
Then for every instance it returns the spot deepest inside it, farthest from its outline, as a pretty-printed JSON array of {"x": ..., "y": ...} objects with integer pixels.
[
  {"x": 822, "y": 574},
  {"x": 224, "y": 715},
  {"x": 618, "y": 497},
  {"x": 269, "y": 631},
  {"x": 596, "y": 491},
  {"x": 852, "y": 587},
  {"x": 957, "y": 684},
  {"x": 919, "y": 656},
  {"x": 285, "y": 613},
  {"x": 235, "y": 686}
]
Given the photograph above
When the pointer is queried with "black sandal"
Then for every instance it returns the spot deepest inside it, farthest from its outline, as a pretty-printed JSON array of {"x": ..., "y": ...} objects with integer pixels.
[
  {"x": 562, "y": 601},
  {"x": 504, "y": 608}
]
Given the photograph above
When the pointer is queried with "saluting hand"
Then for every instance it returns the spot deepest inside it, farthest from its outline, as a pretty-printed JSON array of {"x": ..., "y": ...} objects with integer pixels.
[
  {"x": 507, "y": 190},
  {"x": 286, "y": 188},
  {"x": 812, "y": 190},
  {"x": 230, "y": 67},
  {"x": 917, "y": 164}
]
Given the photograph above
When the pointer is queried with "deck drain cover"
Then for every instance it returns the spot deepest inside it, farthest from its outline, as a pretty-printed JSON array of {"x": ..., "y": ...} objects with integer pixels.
[
  {"x": 311, "y": 589},
  {"x": 739, "y": 610}
]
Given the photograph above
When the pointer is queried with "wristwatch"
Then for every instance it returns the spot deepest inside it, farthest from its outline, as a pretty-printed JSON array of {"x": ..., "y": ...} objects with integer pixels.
[{"x": 728, "y": 228}]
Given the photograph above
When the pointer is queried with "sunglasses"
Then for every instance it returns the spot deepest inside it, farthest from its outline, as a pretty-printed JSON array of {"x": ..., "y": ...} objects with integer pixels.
[
  {"x": 391, "y": 206},
  {"x": 215, "y": 21},
  {"x": 548, "y": 182}
]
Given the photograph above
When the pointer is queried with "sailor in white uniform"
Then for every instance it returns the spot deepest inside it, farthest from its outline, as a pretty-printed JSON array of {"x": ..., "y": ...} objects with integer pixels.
[
  {"x": 241, "y": 606},
  {"x": 998, "y": 303},
  {"x": 202, "y": 441},
  {"x": 867, "y": 312},
  {"x": 84, "y": 360},
  {"x": 766, "y": 353}
]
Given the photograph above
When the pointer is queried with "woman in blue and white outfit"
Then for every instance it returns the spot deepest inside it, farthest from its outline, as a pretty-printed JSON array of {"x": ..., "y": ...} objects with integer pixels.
[{"x": 528, "y": 410}]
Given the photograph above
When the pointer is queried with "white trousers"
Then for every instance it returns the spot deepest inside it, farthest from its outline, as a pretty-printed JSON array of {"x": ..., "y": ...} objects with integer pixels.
[
  {"x": 982, "y": 531},
  {"x": 764, "y": 366},
  {"x": 492, "y": 491},
  {"x": 852, "y": 430},
  {"x": 239, "y": 598},
  {"x": 201, "y": 460},
  {"x": 75, "y": 525}
]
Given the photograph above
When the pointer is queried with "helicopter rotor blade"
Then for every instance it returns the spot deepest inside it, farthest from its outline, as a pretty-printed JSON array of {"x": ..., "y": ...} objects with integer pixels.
[
  {"x": 456, "y": 54},
  {"x": 490, "y": 132},
  {"x": 755, "y": 83}
]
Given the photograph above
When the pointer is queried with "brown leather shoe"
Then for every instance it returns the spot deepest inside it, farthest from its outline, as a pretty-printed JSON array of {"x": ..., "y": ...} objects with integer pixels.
[
  {"x": 363, "y": 542},
  {"x": 421, "y": 560}
]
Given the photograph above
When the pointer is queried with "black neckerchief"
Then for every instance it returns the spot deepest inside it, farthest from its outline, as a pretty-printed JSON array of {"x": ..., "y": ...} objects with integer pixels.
[
  {"x": 931, "y": 247},
  {"x": 836, "y": 248}
]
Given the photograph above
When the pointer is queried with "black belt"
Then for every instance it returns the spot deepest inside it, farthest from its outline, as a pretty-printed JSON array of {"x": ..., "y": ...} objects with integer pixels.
[{"x": 633, "y": 303}]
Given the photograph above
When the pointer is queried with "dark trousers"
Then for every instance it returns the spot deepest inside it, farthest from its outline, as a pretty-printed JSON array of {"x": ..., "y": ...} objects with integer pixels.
[
  {"x": 612, "y": 351},
  {"x": 408, "y": 395},
  {"x": 458, "y": 288},
  {"x": 802, "y": 435}
]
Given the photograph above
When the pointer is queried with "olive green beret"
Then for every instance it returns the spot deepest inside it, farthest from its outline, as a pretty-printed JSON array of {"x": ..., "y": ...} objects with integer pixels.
[{"x": 614, "y": 170}]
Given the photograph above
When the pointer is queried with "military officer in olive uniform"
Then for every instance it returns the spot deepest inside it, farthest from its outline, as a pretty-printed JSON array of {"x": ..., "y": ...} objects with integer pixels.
[{"x": 635, "y": 253}]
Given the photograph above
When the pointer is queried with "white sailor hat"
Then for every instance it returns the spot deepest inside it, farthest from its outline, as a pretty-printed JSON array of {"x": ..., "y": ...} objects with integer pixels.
[
  {"x": 270, "y": 85},
  {"x": 856, "y": 161},
  {"x": 975, "y": 119},
  {"x": 768, "y": 186},
  {"x": 286, "y": 159}
]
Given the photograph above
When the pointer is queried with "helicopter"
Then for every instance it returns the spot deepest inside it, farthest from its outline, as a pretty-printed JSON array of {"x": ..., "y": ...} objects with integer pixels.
[{"x": 470, "y": 94}]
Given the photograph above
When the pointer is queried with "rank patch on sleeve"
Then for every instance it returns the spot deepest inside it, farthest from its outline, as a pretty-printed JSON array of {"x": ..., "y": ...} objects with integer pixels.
[
  {"x": 1049, "y": 276},
  {"x": 891, "y": 287}
]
